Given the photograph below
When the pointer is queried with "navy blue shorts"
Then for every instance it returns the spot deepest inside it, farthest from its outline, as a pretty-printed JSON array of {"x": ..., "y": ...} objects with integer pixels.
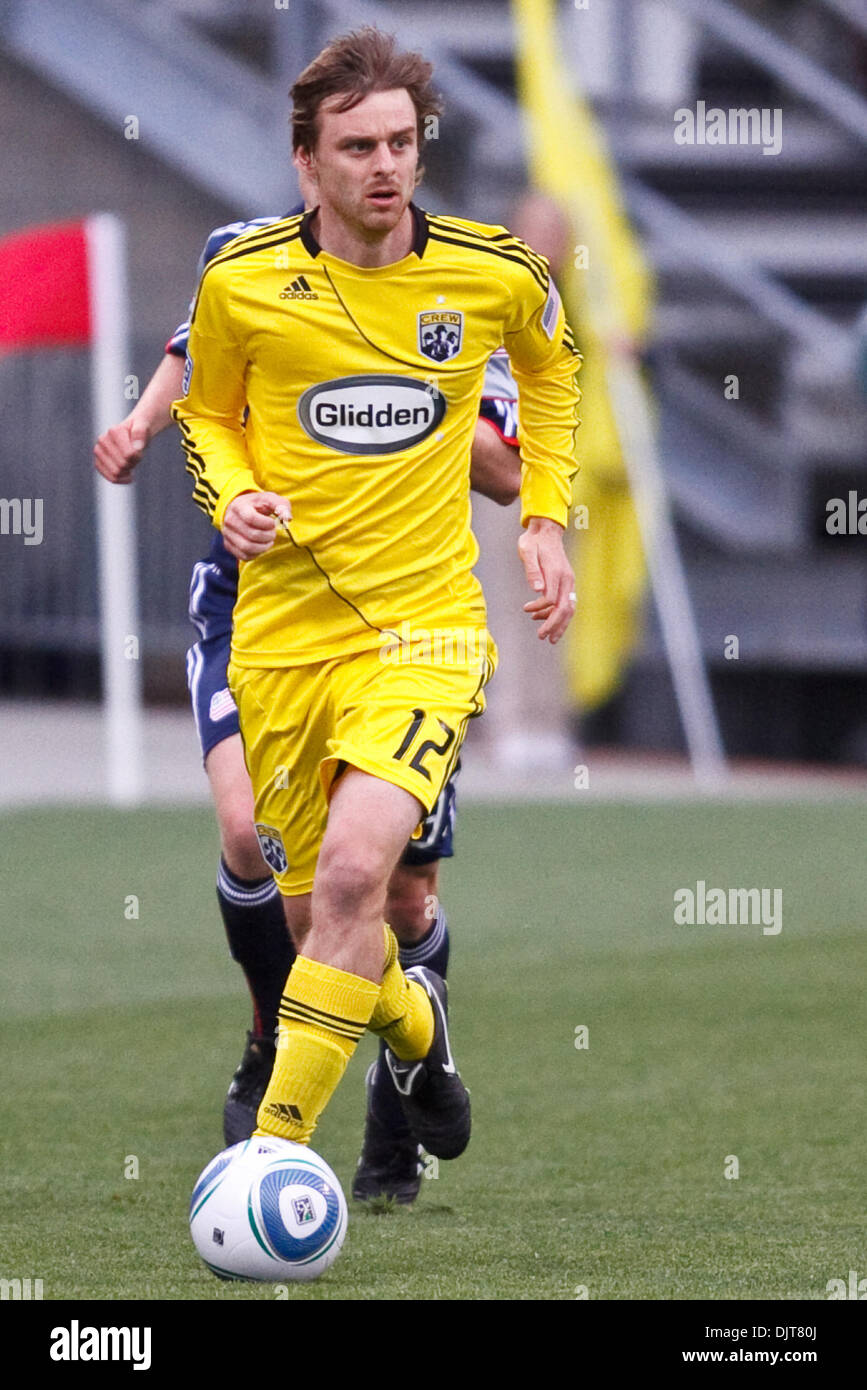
[
  {"x": 213, "y": 591},
  {"x": 438, "y": 828},
  {"x": 212, "y": 598}
]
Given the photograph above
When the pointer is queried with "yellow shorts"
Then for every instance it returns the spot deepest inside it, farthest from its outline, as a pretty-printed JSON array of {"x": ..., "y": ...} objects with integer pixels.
[{"x": 403, "y": 721}]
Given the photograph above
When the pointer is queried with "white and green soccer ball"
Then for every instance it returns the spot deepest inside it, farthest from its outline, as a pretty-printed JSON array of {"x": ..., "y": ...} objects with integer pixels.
[{"x": 270, "y": 1210}]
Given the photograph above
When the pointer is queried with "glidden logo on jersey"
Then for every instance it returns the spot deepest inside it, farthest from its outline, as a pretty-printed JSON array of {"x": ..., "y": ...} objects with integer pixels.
[{"x": 371, "y": 414}]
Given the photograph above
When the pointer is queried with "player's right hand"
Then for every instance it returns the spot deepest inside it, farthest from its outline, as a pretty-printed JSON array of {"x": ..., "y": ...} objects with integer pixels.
[
  {"x": 250, "y": 523},
  {"x": 119, "y": 449}
]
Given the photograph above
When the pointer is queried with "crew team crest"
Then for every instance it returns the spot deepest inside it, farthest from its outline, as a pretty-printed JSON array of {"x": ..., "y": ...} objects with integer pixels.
[{"x": 440, "y": 333}]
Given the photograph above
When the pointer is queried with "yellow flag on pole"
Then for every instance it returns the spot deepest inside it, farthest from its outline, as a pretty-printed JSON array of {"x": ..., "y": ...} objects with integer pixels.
[{"x": 607, "y": 288}]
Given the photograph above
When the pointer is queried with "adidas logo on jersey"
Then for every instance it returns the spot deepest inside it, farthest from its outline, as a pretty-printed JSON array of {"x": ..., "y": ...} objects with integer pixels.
[{"x": 299, "y": 289}]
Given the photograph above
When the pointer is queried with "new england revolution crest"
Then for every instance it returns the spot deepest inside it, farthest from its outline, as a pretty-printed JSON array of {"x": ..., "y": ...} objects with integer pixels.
[{"x": 440, "y": 333}]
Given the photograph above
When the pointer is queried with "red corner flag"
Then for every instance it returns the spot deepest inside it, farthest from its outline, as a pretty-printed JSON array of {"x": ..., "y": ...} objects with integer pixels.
[{"x": 44, "y": 288}]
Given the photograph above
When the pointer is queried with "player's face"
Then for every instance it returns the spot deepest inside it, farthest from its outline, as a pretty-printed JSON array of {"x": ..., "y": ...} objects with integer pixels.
[{"x": 365, "y": 160}]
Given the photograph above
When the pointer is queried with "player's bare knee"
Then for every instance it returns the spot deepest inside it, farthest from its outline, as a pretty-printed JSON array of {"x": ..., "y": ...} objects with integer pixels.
[
  {"x": 347, "y": 878},
  {"x": 412, "y": 902},
  {"x": 407, "y": 920}
]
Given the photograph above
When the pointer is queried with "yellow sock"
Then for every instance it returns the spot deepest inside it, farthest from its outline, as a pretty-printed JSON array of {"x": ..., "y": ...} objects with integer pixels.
[
  {"x": 322, "y": 1015},
  {"x": 403, "y": 1015}
]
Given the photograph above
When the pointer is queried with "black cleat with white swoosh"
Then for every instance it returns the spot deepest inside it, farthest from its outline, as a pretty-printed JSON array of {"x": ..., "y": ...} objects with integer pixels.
[
  {"x": 435, "y": 1101},
  {"x": 390, "y": 1164}
]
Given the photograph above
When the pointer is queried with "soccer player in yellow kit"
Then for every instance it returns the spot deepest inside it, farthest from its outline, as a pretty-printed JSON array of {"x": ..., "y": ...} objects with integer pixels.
[{"x": 335, "y": 365}]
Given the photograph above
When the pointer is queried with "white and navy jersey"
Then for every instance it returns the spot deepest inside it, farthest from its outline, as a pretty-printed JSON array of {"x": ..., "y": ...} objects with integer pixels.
[
  {"x": 217, "y": 239},
  {"x": 499, "y": 403}
]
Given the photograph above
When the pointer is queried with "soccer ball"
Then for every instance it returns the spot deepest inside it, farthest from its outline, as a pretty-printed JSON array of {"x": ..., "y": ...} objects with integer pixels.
[{"x": 268, "y": 1209}]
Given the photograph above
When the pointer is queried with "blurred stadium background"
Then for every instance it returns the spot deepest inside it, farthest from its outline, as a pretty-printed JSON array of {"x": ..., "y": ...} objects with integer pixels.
[
  {"x": 758, "y": 268},
  {"x": 121, "y": 1010}
]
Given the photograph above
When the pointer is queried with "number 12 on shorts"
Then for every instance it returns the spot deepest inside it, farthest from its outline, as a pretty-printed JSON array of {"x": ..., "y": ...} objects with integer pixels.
[{"x": 430, "y": 745}]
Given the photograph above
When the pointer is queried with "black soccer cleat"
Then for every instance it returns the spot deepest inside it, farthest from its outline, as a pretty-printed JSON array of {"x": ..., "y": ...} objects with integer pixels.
[
  {"x": 435, "y": 1101},
  {"x": 389, "y": 1166},
  {"x": 249, "y": 1085}
]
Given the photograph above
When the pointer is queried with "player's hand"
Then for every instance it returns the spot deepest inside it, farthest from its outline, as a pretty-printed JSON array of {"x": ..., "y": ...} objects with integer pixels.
[
  {"x": 550, "y": 575},
  {"x": 119, "y": 449},
  {"x": 250, "y": 523}
]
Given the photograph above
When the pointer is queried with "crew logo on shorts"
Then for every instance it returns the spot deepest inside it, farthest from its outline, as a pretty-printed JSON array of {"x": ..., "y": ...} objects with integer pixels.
[{"x": 271, "y": 845}]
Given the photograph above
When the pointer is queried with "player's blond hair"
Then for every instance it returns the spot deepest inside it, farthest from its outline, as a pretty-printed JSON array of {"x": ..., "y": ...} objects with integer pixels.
[{"x": 352, "y": 66}]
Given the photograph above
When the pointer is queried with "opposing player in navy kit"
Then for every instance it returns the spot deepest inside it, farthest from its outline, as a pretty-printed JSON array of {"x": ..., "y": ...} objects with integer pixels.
[{"x": 248, "y": 898}]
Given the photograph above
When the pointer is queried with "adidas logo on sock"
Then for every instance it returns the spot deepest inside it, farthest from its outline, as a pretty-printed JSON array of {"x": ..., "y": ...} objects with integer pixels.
[
  {"x": 281, "y": 1111},
  {"x": 299, "y": 289}
]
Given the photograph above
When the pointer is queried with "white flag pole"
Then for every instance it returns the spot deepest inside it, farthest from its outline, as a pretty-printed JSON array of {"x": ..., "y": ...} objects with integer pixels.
[
  {"x": 115, "y": 516},
  {"x": 668, "y": 581}
]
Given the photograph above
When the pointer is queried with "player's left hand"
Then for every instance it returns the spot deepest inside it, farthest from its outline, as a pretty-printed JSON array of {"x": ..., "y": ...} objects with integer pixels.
[
  {"x": 550, "y": 575},
  {"x": 250, "y": 523}
]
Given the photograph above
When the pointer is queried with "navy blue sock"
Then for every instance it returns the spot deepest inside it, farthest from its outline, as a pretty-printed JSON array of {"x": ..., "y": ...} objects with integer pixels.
[
  {"x": 259, "y": 940},
  {"x": 432, "y": 950}
]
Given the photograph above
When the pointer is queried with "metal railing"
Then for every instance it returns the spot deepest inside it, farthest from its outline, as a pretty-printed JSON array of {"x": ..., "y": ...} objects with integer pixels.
[
  {"x": 775, "y": 302},
  {"x": 211, "y": 117},
  {"x": 848, "y": 10},
  {"x": 800, "y": 74}
]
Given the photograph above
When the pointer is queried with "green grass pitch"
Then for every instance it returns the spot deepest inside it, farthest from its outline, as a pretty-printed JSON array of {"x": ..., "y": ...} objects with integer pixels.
[{"x": 599, "y": 1168}]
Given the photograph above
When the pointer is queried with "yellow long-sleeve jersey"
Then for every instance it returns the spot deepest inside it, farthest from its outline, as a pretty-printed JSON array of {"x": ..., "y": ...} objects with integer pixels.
[{"x": 354, "y": 393}]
